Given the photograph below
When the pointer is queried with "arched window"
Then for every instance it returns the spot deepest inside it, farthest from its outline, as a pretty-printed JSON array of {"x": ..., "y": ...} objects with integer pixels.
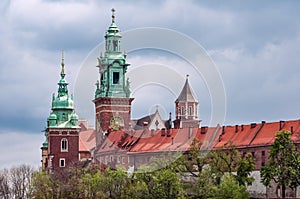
[{"x": 64, "y": 144}]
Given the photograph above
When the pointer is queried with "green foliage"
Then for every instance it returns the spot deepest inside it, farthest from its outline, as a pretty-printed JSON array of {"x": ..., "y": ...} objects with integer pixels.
[
  {"x": 219, "y": 174},
  {"x": 230, "y": 189},
  {"x": 244, "y": 168},
  {"x": 283, "y": 164},
  {"x": 229, "y": 160},
  {"x": 204, "y": 186}
]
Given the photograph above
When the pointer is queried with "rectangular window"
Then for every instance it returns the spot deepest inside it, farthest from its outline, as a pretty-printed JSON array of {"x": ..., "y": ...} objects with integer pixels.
[
  {"x": 116, "y": 77},
  {"x": 118, "y": 159},
  {"x": 111, "y": 158},
  {"x": 263, "y": 153},
  {"x": 62, "y": 162},
  {"x": 123, "y": 160},
  {"x": 182, "y": 110},
  {"x": 106, "y": 159},
  {"x": 190, "y": 110},
  {"x": 253, "y": 154}
]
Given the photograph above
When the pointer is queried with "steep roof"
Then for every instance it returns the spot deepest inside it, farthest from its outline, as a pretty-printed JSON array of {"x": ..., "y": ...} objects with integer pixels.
[
  {"x": 87, "y": 140},
  {"x": 154, "y": 141},
  {"x": 186, "y": 94}
]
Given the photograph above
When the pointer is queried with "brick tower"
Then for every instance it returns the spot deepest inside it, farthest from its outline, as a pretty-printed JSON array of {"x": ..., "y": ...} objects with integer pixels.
[
  {"x": 62, "y": 133},
  {"x": 186, "y": 108},
  {"x": 112, "y": 96}
]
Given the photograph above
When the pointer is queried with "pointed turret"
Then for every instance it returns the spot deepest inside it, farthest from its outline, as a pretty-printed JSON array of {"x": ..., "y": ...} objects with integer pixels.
[
  {"x": 60, "y": 148},
  {"x": 186, "y": 108},
  {"x": 186, "y": 94},
  {"x": 63, "y": 113}
]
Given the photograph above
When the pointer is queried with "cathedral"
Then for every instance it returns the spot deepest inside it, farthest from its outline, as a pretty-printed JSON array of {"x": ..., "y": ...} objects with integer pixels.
[{"x": 119, "y": 141}]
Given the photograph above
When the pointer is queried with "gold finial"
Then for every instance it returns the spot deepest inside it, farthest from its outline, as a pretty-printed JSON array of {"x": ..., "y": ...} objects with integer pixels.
[
  {"x": 113, "y": 15},
  {"x": 62, "y": 62}
]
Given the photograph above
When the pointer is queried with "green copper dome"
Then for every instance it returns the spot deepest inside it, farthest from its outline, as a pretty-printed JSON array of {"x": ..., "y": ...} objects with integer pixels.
[
  {"x": 63, "y": 114},
  {"x": 112, "y": 66}
]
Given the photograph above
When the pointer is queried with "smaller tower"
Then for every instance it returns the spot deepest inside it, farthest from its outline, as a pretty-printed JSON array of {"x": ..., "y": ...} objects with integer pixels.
[
  {"x": 61, "y": 146},
  {"x": 186, "y": 108}
]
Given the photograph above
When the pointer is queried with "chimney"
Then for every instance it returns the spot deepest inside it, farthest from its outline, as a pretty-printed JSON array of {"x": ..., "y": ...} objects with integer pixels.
[
  {"x": 292, "y": 129},
  {"x": 223, "y": 130},
  {"x": 236, "y": 128},
  {"x": 252, "y": 125},
  {"x": 169, "y": 132},
  {"x": 242, "y": 127},
  {"x": 152, "y": 132},
  {"x": 203, "y": 129},
  {"x": 172, "y": 140},
  {"x": 163, "y": 132},
  {"x": 281, "y": 124}
]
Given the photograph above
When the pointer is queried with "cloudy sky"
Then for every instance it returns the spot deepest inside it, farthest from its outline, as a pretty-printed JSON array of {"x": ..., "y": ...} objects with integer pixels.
[{"x": 255, "y": 46}]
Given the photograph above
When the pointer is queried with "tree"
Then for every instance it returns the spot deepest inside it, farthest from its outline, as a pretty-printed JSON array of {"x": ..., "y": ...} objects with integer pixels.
[
  {"x": 230, "y": 189},
  {"x": 167, "y": 185},
  {"x": 229, "y": 160},
  {"x": 244, "y": 168},
  {"x": 43, "y": 186},
  {"x": 4, "y": 184},
  {"x": 20, "y": 178},
  {"x": 283, "y": 164}
]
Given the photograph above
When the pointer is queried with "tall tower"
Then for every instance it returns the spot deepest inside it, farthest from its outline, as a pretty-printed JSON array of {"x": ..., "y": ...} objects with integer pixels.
[
  {"x": 112, "y": 96},
  {"x": 62, "y": 133},
  {"x": 186, "y": 108}
]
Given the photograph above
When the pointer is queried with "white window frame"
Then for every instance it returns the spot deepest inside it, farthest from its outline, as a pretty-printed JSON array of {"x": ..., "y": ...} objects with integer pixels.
[
  {"x": 62, "y": 160},
  {"x": 65, "y": 149},
  {"x": 118, "y": 159},
  {"x": 123, "y": 160}
]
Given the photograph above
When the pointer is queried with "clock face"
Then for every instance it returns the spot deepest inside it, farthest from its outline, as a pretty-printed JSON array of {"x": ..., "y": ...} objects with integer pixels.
[{"x": 116, "y": 122}]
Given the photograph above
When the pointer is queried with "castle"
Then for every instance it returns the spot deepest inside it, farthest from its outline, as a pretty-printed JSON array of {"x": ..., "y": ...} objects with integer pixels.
[{"x": 117, "y": 140}]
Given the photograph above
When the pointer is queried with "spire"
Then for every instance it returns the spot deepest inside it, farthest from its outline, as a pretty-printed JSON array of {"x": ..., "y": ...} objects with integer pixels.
[
  {"x": 63, "y": 114},
  {"x": 113, "y": 30},
  {"x": 113, "y": 15},
  {"x": 62, "y": 73},
  {"x": 62, "y": 84},
  {"x": 186, "y": 94}
]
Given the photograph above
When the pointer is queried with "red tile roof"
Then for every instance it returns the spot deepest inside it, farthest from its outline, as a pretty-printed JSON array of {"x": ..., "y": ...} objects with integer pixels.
[
  {"x": 242, "y": 136},
  {"x": 87, "y": 140}
]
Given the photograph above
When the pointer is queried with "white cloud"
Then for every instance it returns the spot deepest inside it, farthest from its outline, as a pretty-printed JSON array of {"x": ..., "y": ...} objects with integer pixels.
[
  {"x": 20, "y": 148},
  {"x": 255, "y": 45}
]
